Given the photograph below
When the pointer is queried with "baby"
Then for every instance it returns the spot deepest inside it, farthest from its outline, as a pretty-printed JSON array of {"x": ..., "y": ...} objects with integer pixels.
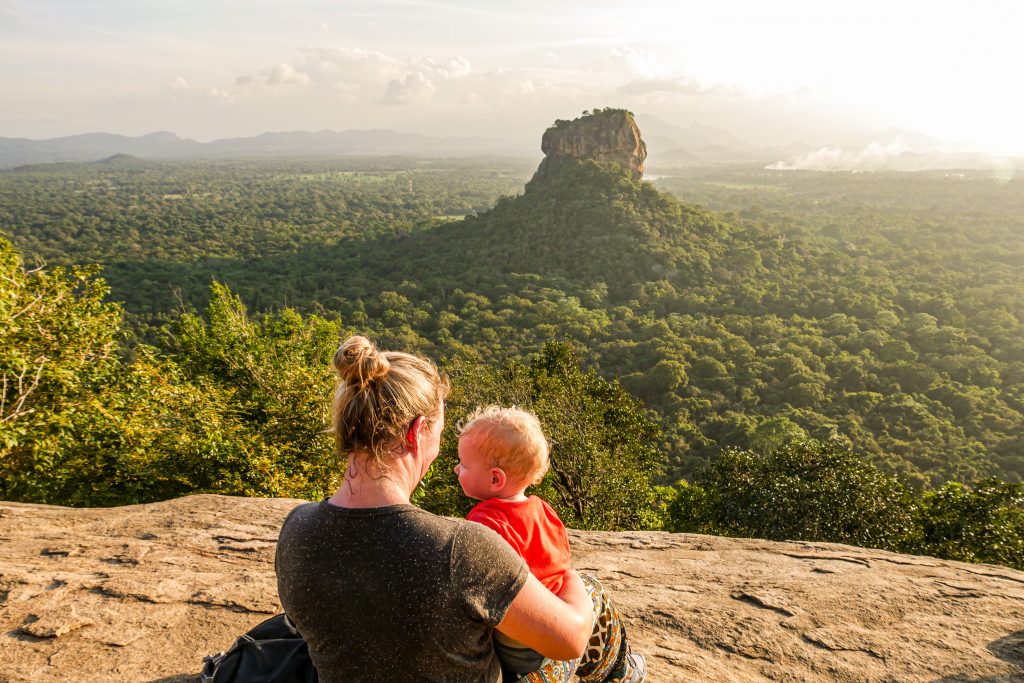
[{"x": 501, "y": 452}]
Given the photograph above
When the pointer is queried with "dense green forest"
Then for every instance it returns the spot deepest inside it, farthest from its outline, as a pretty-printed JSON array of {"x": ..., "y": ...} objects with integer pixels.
[
  {"x": 882, "y": 310},
  {"x": 824, "y": 356}
]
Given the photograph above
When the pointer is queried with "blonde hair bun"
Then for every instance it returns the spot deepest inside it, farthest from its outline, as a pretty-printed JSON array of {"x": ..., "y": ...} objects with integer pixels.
[{"x": 358, "y": 362}]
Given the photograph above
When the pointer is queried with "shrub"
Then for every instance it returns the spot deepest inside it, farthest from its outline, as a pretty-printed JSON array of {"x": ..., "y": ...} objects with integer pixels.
[
  {"x": 980, "y": 524},
  {"x": 802, "y": 490}
]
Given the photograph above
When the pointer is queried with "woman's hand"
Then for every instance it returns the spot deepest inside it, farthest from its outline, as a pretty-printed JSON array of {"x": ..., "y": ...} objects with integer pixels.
[{"x": 558, "y": 627}]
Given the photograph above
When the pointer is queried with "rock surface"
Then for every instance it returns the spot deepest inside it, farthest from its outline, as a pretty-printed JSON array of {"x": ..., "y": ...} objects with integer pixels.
[
  {"x": 141, "y": 593},
  {"x": 608, "y": 136}
]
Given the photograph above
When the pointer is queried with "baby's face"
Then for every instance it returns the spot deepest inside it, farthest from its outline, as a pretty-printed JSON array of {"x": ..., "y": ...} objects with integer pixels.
[{"x": 475, "y": 474}]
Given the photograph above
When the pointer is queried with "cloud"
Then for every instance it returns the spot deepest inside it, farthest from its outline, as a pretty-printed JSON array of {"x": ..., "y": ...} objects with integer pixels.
[
  {"x": 676, "y": 84},
  {"x": 630, "y": 62},
  {"x": 277, "y": 75},
  {"x": 834, "y": 158},
  {"x": 179, "y": 84},
  {"x": 356, "y": 72},
  {"x": 283, "y": 74},
  {"x": 346, "y": 91},
  {"x": 905, "y": 152},
  {"x": 456, "y": 67},
  {"x": 356, "y": 63},
  {"x": 414, "y": 87}
]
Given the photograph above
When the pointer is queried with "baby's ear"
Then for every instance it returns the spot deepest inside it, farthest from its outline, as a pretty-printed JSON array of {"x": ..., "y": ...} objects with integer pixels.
[{"x": 498, "y": 478}]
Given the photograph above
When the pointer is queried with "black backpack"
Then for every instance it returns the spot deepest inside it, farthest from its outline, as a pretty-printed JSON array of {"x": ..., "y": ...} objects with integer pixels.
[{"x": 272, "y": 652}]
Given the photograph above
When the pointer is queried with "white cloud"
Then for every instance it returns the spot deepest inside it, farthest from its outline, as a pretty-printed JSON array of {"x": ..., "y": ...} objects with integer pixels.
[
  {"x": 631, "y": 62},
  {"x": 179, "y": 84},
  {"x": 456, "y": 67},
  {"x": 676, "y": 84},
  {"x": 277, "y": 75},
  {"x": 356, "y": 63},
  {"x": 283, "y": 74},
  {"x": 834, "y": 158},
  {"x": 414, "y": 87},
  {"x": 905, "y": 151},
  {"x": 346, "y": 91}
]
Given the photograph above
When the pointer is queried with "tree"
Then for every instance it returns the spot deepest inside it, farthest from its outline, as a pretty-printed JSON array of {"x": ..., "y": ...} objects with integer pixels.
[
  {"x": 602, "y": 453},
  {"x": 57, "y": 351},
  {"x": 980, "y": 524},
  {"x": 801, "y": 490},
  {"x": 81, "y": 426},
  {"x": 275, "y": 379}
]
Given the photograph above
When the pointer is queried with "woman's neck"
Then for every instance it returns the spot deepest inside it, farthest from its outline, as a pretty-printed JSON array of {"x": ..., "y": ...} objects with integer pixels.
[{"x": 366, "y": 486}]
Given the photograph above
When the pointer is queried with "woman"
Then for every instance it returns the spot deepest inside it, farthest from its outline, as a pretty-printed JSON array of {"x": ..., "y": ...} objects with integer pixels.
[{"x": 384, "y": 591}]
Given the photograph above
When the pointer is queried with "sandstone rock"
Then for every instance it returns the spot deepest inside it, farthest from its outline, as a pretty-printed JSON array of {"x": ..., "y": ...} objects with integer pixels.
[
  {"x": 150, "y": 589},
  {"x": 610, "y": 136},
  {"x": 54, "y": 623}
]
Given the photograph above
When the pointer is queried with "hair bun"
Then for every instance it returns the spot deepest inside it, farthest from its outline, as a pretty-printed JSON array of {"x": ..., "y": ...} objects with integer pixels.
[{"x": 358, "y": 362}]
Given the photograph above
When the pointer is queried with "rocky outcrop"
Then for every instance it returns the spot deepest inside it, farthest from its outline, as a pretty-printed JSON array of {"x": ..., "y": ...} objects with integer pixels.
[
  {"x": 608, "y": 136},
  {"x": 141, "y": 593}
]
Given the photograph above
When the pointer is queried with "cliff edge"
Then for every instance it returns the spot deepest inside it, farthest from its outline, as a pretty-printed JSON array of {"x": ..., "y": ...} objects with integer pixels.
[
  {"x": 141, "y": 593},
  {"x": 608, "y": 136}
]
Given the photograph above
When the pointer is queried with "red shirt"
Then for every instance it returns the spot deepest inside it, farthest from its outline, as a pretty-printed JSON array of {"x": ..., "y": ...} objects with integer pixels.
[{"x": 534, "y": 530}]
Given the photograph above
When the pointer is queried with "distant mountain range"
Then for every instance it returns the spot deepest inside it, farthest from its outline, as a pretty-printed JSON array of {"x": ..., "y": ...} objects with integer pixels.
[
  {"x": 669, "y": 145},
  {"x": 16, "y": 152}
]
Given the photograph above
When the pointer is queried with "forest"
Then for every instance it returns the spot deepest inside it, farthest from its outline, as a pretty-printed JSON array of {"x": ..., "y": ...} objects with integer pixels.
[{"x": 717, "y": 326}]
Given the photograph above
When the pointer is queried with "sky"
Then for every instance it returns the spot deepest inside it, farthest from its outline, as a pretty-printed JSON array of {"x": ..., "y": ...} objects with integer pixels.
[{"x": 773, "y": 73}]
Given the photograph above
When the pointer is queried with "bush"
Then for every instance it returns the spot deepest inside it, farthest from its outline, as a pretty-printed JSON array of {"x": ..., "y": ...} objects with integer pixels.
[
  {"x": 603, "y": 457},
  {"x": 802, "y": 490},
  {"x": 983, "y": 524}
]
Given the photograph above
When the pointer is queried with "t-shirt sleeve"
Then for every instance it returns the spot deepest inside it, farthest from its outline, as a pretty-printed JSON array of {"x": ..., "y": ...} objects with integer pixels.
[
  {"x": 482, "y": 514},
  {"x": 486, "y": 572}
]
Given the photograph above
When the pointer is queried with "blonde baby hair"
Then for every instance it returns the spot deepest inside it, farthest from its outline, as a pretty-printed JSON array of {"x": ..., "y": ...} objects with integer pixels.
[{"x": 510, "y": 438}]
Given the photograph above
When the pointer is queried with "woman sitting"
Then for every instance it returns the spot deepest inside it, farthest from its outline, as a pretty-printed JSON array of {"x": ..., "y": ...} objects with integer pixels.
[{"x": 384, "y": 591}]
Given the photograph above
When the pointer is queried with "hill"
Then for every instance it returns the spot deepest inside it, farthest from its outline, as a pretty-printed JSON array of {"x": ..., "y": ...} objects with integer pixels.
[{"x": 141, "y": 593}]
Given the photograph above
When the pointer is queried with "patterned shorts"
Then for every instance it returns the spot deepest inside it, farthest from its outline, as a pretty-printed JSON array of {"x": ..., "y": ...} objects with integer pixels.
[{"x": 605, "y": 660}]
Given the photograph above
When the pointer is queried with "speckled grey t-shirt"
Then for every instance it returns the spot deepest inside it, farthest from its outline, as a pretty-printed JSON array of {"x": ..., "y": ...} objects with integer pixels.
[{"x": 396, "y": 594}]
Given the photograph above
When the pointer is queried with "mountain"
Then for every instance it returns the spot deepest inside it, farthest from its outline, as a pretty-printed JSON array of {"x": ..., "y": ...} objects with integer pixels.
[{"x": 88, "y": 147}]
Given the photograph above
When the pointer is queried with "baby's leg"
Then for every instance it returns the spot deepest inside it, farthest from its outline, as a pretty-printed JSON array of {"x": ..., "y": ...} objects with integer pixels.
[{"x": 607, "y": 658}]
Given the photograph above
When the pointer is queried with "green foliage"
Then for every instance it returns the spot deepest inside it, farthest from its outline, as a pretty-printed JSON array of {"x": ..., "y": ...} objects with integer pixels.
[
  {"x": 80, "y": 426},
  {"x": 882, "y": 310},
  {"x": 602, "y": 453},
  {"x": 274, "y": 378},
  {"x": 802, "y": 490},
  {"x": 984, "y": 523},
  {"x": 241, "y": 410}
]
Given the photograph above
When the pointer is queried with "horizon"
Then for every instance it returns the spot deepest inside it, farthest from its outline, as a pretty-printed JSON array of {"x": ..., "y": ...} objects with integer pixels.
[{"x": 795, "y": 73}]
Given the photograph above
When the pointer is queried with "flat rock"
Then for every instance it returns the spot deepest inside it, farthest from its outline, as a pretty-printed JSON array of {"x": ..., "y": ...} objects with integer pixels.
[{"x": 141, "y": 593}]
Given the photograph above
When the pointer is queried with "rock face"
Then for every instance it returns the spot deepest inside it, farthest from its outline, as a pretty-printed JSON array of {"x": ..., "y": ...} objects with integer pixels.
[
  {"x": 608, "y": 136},
  {"x": 141, "y": 593}
]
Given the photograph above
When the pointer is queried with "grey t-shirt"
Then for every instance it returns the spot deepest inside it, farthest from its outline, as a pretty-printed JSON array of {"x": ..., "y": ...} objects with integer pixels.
[{"x": 396, "y": 593}]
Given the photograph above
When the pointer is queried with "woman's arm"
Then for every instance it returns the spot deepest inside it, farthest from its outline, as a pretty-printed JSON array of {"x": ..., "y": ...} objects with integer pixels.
[{"x": 558, "y": 627}]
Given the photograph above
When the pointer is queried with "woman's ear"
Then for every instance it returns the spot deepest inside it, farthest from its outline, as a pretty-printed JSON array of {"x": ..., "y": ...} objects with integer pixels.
[{"x": 412, "y": 434}]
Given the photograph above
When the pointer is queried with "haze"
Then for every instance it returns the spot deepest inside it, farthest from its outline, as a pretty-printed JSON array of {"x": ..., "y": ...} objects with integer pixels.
[{"x": 772, "y": 73}]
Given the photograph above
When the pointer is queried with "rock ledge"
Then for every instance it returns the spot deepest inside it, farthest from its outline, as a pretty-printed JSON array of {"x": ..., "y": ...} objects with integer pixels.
[{"x": 141, "y": 593}]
